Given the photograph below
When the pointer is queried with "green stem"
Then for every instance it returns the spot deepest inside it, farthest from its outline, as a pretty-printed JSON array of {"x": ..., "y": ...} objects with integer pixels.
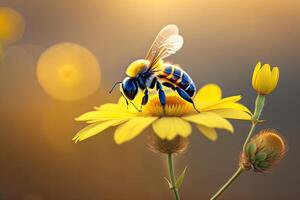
[
  {"x": 172, "y": 176},
  {"x": 259, "y": 105},
  {"x": 228, "y": 183},
  {"x": 249, "y": 135}
]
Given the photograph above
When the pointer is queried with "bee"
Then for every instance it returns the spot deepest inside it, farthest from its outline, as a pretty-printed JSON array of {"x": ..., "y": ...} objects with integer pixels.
[{"x": 153, "y": 73}]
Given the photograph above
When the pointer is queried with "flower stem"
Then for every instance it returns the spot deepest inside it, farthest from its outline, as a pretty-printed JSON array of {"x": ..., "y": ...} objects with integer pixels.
[
  {"x": 172, "y": 176},
  {"x": 228, "y": 183},
  {"x": 249, "y": 135},
  {"x": 259, "y": 105}
]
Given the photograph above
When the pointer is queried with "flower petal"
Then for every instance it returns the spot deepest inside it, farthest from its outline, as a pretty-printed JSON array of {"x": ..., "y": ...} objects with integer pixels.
[
  {"x": 106, "y": 112},
  {"x": 132, "y": 128},
  {"x": 233, "y": 114},
  {"x": 97, "y": 116},
  {"x": 231, "y": 99},
  {"x": 211, "y": 120},
  {"x": 136, "y": 101},
  {"x": 170, "y": 127},
  {"x": 234, "y": 106},
  {"x": 274, "y": 78},
  {"x": 112, "y": 107},
  {"x": 263, "y": 79},
  {"x": 256, "y": 69},
  {"x": 210, "y": 133},
  {"x": 96, "y": 128},
  {"x": 207, "y": 95}
]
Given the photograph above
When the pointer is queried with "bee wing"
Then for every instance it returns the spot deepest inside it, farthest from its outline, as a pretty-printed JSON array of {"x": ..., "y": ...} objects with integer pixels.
[
  {"x": 165, "y": 33},
  {"x": 170, "y": 46},
  {"x": 167, "y": 42}
]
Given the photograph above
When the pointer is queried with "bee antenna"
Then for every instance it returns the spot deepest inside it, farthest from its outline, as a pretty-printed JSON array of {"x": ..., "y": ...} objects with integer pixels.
[{"x": 113, "y": 87}]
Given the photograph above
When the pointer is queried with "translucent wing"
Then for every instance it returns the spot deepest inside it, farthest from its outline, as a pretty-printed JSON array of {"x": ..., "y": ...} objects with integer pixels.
[
  {"x": 165, "y": 33},
  {"x": 167, "y": 42},
  {"x": 170, "y": 46}
]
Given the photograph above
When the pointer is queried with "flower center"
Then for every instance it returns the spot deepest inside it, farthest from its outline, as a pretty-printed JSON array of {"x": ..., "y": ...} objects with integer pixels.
[{"x": 175, "y": 106}]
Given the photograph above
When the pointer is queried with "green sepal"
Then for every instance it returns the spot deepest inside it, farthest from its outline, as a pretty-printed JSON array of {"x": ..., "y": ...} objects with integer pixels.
[
  {"x": 260, "y": 156},
  {"x": 180, "y": 179},
  {"x": 169, "y": 183},
  {"x": 269, "y": 152},
  {"x": 251, "y": 149},
  {"x": 263, "y": 165},
  {"x": 259, "y": 104}
]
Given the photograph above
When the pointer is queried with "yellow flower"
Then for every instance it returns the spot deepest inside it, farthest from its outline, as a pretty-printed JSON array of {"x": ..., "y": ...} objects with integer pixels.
[
  {"x": 176, "y": 121},
  {"x": 264, "y": 80}
]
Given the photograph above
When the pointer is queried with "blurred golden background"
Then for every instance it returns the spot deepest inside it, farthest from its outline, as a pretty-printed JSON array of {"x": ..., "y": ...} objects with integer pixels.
[{"x": 52, "y": 49}]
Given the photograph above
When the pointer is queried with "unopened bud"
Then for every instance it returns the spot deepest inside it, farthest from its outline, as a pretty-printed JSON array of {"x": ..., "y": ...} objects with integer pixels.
[{"x": 263, "y": 152}]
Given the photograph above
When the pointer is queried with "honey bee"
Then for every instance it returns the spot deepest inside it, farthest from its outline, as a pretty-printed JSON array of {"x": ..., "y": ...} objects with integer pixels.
[{"x": 153, "y": 73}]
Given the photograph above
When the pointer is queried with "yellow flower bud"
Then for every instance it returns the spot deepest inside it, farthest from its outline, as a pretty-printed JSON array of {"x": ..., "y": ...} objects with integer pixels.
[
  {"x": 263, "y": 152},
  {"x": 264, "y": 80}
]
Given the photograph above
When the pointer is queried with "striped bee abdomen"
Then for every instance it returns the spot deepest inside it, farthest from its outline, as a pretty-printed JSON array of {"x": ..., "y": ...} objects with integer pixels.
[{"x": 177, "y": 77}]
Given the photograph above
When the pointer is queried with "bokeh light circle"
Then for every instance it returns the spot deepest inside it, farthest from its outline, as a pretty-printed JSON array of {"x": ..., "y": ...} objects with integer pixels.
[
  {"x": 12, "y": 25},
  {"x": 68, "y": 71}
]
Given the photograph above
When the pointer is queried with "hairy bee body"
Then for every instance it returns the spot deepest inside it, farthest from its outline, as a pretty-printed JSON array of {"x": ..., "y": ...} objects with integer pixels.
[
  {"x": 168, "y": 74},
  {"x": 153, "y": 73},
  {"x": 177, "y": 77}
]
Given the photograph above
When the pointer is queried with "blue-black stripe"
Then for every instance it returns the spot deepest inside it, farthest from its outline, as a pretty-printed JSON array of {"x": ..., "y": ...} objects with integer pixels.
[{"x": 185, "y": 83}]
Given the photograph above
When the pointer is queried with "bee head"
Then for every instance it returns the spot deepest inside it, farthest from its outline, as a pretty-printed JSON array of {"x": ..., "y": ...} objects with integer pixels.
[
  {"x": 136, "y": 67},
  {"x": 129, "y": 87}
]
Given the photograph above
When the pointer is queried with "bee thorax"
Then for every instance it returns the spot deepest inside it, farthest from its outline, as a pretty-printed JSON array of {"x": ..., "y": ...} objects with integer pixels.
[{"x": 136, "y": 67}]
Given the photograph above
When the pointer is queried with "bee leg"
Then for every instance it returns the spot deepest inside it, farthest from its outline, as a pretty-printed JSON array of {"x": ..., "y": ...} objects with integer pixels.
[
  {"x": 162, "y": 99},
  {"x": 161, "y": 95},
  {"x": 186, "y": 97},
  {"x": 169, "y": 85},
  {"x": 145, "y": 98},
  {"x": 153, "y": 82},
  {"x": 127, "y": 104},
  {"x": 195, "y": 107},
  {"x": 135, "y": 106}
]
